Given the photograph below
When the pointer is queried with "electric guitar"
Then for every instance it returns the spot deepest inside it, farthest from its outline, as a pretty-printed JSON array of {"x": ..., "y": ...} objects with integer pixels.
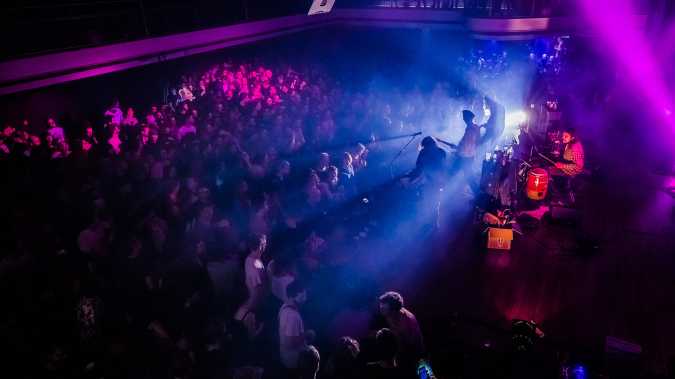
[{"x": 446, "y": 143}]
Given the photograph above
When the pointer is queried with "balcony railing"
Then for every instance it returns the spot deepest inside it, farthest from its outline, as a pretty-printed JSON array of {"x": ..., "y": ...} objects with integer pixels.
[
  {"x": 489, "y": 8},
  {"x": 47, "y": 26}
]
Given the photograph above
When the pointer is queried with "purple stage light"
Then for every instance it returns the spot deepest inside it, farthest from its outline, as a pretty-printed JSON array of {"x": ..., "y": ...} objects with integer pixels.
[{"x": 629, "y": 47}]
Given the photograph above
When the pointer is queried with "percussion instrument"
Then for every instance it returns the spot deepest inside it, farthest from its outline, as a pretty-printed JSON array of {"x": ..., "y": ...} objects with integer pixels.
[{"x": 537, "y": 184}]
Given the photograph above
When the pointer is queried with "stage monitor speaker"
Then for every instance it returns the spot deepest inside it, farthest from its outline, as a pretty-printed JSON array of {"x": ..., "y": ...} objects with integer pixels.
[{"x": 320, "y": 6}]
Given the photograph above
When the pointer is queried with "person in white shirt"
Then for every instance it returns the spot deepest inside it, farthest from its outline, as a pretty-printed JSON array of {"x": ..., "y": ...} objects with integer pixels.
[
  {"x": 254, "y": 271},
  {"x": 115, "y": 114},
  {"x": 280, "y": 274},
  {"x": 253, "y": 266},
  {"x": 293, "y": 339}
]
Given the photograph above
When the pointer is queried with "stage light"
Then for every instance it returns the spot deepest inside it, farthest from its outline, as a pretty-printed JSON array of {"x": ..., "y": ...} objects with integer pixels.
[
  {"x": 515, "y": 118},
  {"x": 579, "y": 372}
]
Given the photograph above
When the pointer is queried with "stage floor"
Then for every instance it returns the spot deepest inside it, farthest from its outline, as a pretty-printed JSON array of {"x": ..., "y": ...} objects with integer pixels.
[{"x": 609, "y": 275}]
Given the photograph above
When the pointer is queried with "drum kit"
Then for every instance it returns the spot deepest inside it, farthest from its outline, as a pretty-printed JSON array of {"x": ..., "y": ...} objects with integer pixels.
[
  {"x": 530, "y": 176},
  {"x": 533, "y": 171},
  {"x": 498, "y": 175},
  {"x": 537, "y": 183}
]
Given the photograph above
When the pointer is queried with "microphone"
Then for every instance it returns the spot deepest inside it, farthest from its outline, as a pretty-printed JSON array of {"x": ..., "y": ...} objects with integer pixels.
[{"x": 416, "y": 134}]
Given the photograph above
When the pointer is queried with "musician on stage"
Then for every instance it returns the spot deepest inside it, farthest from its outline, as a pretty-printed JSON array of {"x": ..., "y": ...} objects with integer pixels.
[
  {"x": 430, "y": 161},
  {"x": 466, "y": 150},
  {"x": 429, "y": 176},
  {"x": 572, "y": 164}
]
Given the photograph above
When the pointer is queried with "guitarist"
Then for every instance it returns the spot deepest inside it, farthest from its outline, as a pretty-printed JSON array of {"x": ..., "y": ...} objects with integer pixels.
[
  {"x": 430, "y": 161},
  {"x": 466, "y": 150},
  {"x": 430, "y": 171}
]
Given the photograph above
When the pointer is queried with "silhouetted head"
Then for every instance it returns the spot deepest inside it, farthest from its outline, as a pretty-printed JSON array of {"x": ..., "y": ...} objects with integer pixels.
[
  {"x": 428, "y": 141},
  {"x": 468, "y": 116},
  {"x": 390, "y": 303}
]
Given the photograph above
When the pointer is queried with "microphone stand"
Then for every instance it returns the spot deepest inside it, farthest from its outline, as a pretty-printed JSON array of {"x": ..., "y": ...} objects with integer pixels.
[
  {"x": 391, "y": 164},
  {"x": 384, "y": 139}
]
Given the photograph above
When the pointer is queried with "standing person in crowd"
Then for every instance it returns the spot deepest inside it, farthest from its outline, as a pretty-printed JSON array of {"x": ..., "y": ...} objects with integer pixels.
[
  {"x": 386, "y": 350},
  {"x": 346, "y": 177},
  {"x": 130, "y": 119},
  {"x": 115, "y": 141},
  {"x": 55, "y": 132},
  {"x": 308, "y": 363},
  {"x": 322, "y": 164},
  {"x": 89, "y": 140},
  {"x": 347, "y": 169},
  {"x": 404, "y": 325},
  {"x": 281, "y": 273},
  {"x": 360, "y": 157},
  {"x": 254, "y": 271},
  {"x": 188, "y": 128},
  {"x": 115, "y": 113},
  {"x": 344, "y": 363},
  {"x": 293, "y": 338}
]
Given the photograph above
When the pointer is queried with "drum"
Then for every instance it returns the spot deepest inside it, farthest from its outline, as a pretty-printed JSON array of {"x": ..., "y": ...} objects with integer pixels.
[{"x": 537, "y": 184}]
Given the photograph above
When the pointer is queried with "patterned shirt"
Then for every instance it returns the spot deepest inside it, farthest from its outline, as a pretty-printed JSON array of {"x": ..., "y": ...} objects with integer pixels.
[{"x": 574, "y": 159}]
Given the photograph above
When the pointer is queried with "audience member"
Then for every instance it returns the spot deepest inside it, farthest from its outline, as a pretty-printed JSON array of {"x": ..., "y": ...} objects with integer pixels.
[
  {"x": 386, "y": 351},
  {"x": 308, "y": 363},
  {"x": 293, "y": 338},
  {"x": 404, "y": 325},
  {"x": 344, "y": 363}
]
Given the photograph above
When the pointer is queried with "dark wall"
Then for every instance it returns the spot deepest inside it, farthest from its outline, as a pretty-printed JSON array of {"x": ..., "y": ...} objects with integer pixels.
[{"x": 57, "y": 25}]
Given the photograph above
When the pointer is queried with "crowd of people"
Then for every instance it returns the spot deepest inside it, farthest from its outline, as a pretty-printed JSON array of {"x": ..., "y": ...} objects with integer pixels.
[
  {"x": 174, "y": 239},
  {"x": 181, "y": 240}
]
